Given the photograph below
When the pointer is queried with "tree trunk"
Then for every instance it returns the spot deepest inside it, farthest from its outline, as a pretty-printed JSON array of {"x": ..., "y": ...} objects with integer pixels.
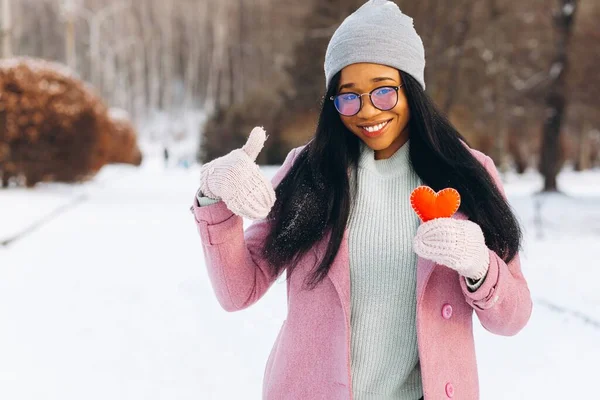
[
  {"x": 583, "y": 148},
  {"x": 6, "y": 32},
  {"x": 215, "y": 85},
  {"x": 166, "y": 55},
  {"x": 70, "y": 36},
  {"x": 556, "y": 100},
  {"x": 464, "y": 26}
]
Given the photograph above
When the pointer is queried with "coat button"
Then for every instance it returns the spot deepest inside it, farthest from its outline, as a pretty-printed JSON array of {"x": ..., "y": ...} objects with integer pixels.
[
  {"x": 447, "y": 311},
  {"x": 449, "y": 390}
]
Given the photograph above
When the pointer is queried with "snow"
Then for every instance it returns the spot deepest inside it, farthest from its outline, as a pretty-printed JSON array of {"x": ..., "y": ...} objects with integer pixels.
[
  {"x": 119, "y": 114},
  {"x": 110, "y": 298},
  {"x": 176, "y": 131},
  {"x": 555, "y": 70},
  {"x": 568, "y": 9},
  {"x": 38, "y": 65},
  {"x": 487, "y": 55}
]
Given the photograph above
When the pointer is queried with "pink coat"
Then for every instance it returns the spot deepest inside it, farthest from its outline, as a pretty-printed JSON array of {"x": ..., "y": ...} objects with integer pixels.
[{"x": 310, "y": 358}]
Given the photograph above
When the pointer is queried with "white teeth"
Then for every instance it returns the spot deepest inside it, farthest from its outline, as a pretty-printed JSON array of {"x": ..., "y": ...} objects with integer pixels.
[{"x": 375, "y": 128}]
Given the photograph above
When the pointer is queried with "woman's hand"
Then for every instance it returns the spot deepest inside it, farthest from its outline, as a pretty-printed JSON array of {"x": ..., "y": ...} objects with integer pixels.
[
  {"x": 237, "y": 180},
  {"x": 457, "y": 244}
]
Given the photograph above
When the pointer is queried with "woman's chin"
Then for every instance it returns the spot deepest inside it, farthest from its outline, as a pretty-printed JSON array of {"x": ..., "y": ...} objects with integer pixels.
[{"x": 376, "y": 143}]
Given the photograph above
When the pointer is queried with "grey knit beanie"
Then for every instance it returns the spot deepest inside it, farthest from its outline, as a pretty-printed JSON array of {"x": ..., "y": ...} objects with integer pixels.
[{"x": 376, "y": 33}]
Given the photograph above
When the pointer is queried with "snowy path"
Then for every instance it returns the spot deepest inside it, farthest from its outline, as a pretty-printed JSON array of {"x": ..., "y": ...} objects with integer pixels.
[{"x": 111, "y": 300}]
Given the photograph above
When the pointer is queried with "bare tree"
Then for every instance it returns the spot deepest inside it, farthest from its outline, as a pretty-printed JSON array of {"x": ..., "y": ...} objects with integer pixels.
[
  {"x": 487, "y": 61},
  {"x": 556, "y": 100},
  {"x": 68, "y": 9},
  {"x": 6, "y": 31}
]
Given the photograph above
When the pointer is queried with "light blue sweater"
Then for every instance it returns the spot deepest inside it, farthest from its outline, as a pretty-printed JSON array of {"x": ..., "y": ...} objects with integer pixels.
[{"x": 385, "y": 358}]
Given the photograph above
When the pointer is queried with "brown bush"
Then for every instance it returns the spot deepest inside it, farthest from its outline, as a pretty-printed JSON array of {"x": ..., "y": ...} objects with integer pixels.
[
  {"x": 53, "y": 127},
  {"x": 123, "y": 145}
]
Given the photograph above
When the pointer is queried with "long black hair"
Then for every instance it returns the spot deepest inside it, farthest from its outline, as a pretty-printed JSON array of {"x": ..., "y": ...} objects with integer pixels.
[{"x": 314, "y": 198}]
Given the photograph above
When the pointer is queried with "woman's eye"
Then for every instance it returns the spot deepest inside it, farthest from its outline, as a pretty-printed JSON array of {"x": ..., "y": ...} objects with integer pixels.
[
  {"x": 348, "y": 96},
  {"x": 383, "y": 91}
]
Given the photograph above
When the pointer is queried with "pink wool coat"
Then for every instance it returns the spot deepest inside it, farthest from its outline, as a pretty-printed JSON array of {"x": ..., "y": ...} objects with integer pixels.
[{"x": 310, "y": 358}]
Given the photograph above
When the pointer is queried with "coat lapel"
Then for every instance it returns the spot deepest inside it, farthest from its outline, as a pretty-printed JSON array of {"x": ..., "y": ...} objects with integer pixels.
[{"x": 339, "y": 273}]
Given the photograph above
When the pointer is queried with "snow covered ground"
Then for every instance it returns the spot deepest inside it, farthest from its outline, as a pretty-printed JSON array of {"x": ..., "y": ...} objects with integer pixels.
[{"x": 109, "y": 297}]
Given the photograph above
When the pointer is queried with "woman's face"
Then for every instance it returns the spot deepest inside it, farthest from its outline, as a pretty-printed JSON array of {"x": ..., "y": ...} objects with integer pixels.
[{"x": 363, "y": 78}]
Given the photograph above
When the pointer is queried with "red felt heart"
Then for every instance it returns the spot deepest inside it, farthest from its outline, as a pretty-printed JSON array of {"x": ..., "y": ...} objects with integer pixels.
[{"x": 430, "y": 205}]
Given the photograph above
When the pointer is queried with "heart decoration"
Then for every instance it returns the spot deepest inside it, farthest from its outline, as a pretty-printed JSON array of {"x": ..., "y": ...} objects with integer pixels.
[{"x": 430, "y": 205}]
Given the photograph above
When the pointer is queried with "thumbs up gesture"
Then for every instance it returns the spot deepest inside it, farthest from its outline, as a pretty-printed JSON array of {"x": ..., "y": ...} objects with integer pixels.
[{"x": 236, "y": 179}]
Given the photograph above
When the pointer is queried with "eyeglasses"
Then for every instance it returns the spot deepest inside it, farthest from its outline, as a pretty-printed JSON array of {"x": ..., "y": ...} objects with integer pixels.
[{"x": 383, "y": 98}]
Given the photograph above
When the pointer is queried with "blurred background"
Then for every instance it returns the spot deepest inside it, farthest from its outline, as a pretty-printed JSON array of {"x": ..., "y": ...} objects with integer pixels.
[
  {"x": 518, "y": 78},
  {"x": 109, "y": 107}
]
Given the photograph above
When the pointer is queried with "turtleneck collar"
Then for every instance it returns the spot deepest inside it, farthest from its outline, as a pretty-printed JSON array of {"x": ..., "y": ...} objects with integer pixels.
[{"x": 397, "y": 164}]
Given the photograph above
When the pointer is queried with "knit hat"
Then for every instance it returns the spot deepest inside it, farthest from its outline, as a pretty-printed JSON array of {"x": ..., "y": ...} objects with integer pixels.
[{"x": 376, "y": 33}]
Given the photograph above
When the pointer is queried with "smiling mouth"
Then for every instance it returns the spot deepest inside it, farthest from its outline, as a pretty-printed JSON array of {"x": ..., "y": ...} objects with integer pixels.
[{"x": 374, "y": 129}]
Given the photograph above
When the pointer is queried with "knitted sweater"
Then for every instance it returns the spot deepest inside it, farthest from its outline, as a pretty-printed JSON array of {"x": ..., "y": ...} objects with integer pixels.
[{"x": 385, "y": 359}]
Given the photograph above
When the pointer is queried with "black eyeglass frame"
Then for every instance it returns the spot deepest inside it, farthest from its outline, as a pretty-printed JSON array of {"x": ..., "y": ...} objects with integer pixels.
[{"x": 396, "y": 88}]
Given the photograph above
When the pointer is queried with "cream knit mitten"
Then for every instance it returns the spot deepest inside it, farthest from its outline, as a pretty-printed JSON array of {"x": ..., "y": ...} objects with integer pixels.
[
  {"x": 237, "y": 180},
  {"x": 457, "y": 244}
]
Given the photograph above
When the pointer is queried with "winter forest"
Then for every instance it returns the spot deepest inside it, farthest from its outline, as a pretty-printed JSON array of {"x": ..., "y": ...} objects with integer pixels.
[
  {"x": 517, "y": 77},
  {"x": 109, "y": 108}
]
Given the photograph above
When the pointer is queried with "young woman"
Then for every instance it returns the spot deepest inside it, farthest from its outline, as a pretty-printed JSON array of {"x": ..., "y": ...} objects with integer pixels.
[{"x": 379, "y": 304}]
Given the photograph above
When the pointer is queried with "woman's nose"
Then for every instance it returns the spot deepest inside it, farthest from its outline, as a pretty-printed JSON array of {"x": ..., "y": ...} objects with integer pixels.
[{"x": 368, "y": 110}]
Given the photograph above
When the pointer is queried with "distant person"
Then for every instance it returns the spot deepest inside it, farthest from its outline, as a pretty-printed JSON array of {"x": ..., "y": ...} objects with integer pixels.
[
  {"x": 380, "y": 304},
  {"x": 166, "y": 156}
]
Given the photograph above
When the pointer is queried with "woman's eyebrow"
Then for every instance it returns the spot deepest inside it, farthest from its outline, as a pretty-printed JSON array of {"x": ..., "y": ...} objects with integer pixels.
[{"x": 378, "y": 79}]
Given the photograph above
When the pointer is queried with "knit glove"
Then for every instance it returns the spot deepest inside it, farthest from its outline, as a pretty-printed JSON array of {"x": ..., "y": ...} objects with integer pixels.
[
  {"x": 237, "y": 180},
  {"x": 457, "y": 244}
]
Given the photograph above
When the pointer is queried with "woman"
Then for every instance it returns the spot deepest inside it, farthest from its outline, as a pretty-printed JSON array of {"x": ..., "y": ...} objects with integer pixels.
[{"x": 379, "y": 305}]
